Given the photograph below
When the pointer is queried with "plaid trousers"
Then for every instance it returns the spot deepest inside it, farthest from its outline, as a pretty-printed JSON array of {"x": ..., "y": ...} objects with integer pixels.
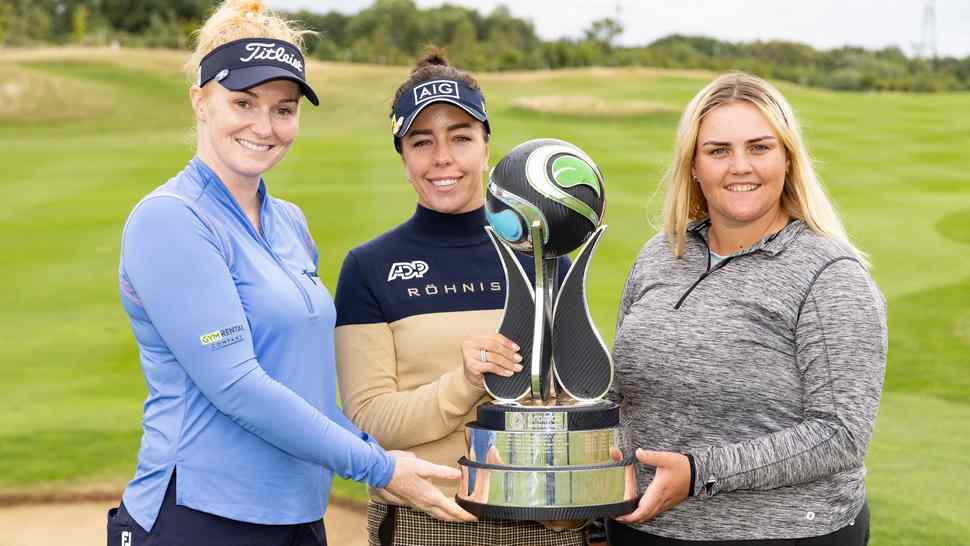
[{"x": 403, "y": 526}]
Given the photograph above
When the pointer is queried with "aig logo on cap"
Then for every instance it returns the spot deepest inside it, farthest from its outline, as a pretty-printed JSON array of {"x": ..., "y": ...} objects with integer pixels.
[{"x": 435, "y": 89}]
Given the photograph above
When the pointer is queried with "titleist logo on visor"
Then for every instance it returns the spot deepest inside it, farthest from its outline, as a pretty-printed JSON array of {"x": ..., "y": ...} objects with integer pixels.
[{"x": 268, "y": 51}]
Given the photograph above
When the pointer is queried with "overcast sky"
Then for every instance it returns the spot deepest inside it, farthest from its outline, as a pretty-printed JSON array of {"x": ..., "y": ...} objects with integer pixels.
[{"x": 822, "y": 23}]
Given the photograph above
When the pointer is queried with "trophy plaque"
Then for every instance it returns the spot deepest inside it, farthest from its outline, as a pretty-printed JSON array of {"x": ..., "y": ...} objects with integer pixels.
[{"x": 544, "y": 450}]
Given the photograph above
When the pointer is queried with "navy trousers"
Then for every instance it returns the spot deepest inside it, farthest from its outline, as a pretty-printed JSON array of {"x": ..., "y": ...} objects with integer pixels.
[{"x": 182, "y": 526}]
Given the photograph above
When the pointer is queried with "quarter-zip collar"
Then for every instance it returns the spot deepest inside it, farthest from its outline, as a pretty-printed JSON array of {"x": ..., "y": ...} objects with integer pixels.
[
  {"x": 208, "y": 179},
  {"x": 772, "y": 244}
]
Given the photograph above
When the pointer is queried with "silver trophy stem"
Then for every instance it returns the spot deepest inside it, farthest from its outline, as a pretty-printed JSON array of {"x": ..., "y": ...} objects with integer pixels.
[
  {"x": 550, "y": 273},
  {"x": 539, "y": 321}
]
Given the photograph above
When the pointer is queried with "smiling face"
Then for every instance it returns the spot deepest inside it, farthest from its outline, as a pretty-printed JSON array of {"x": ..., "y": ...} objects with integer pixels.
[
  {"x": 740, "y": 163},
  {"x": 445, "y": 154},
  {"x": 242, "y": 134}
]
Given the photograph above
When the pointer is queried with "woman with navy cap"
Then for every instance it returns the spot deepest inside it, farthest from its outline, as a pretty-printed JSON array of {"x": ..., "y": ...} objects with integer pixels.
[
  {"x": 241, "y": 432},
  {"x": 418, "y": 308}
]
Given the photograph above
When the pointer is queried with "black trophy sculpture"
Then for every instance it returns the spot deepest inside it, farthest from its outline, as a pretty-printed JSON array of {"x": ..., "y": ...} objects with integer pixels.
[{"x": 542, "y": 451}]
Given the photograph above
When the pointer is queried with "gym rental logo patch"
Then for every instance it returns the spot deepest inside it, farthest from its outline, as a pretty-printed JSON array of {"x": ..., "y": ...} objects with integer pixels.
[
  {"x": 435, "y": 90},
  {"x": 224, "y": 337},
  {"x": 407, "y": 270}
]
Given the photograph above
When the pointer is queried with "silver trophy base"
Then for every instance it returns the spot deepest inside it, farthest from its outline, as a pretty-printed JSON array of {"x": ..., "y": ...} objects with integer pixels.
[{"x": 546, "y": 463}]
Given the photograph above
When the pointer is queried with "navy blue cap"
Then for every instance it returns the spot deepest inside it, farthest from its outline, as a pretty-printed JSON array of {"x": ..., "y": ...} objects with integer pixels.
[
  {"x": 414, "y": 99},
  {"x": 241, "y": 64}
]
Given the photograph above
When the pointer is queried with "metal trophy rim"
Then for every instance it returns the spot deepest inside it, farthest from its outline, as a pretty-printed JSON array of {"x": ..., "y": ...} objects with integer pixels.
[
  {"x": 465, "y": 461},
  {"x": 535, "y": 513}
]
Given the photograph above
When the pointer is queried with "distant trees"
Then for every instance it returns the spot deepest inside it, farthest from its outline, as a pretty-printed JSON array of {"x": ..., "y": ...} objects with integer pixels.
[
  {"x": 151, "y": 23},
  {"x": 604, "y": 32},
  {"x": 24, "y": 22},
  {"x": 845, "y": 68},
  {"x": 396, "y": 31}
]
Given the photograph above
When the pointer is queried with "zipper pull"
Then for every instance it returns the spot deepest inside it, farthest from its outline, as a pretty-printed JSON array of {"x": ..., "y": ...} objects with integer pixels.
[{"x": 311, "y": 275}]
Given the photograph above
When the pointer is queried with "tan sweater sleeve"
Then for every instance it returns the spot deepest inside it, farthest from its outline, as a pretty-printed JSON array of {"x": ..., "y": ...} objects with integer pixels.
[{"x": 371, "y": 397}]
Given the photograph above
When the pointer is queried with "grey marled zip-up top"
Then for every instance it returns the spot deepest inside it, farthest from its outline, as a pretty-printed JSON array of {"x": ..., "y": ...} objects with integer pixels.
[{"x": 766, "y": 369}]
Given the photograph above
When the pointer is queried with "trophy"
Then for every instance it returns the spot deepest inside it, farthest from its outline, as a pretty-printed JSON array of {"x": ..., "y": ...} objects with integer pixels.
[{"x": 544, "y": 450}]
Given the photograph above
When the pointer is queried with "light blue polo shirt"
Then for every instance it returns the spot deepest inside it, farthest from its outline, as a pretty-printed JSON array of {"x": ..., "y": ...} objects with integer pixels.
[{"x": 235, "y": 332}]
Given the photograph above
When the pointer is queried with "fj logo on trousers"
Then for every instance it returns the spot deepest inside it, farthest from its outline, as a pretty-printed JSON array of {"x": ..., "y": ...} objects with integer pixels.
[{"x": 126, "y": 538}]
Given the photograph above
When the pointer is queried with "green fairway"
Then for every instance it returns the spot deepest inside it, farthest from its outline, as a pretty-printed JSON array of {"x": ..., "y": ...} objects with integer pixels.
[{"x": 85, "y": 134}]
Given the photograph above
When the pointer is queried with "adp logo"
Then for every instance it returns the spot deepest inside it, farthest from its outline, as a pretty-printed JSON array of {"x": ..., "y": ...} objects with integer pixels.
[
  {"x": 435, "y": 89},
  {"x": 407, "y": 270}
]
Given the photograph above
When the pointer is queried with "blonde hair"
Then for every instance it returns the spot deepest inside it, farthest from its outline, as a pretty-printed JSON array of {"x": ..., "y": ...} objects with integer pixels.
[
  {"x": 237, "y": 19},
  {"x": 802, "y": 197}
]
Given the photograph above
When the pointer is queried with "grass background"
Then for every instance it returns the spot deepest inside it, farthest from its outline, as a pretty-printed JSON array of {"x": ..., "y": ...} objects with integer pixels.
[{"x": 86, "y": 133}]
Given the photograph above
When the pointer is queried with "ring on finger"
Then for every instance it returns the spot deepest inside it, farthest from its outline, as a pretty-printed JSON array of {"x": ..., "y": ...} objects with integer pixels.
[{"x": 483, "y": 355}]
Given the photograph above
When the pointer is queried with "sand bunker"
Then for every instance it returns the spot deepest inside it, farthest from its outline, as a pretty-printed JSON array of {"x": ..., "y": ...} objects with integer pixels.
[{"x": 582, "y": 105}]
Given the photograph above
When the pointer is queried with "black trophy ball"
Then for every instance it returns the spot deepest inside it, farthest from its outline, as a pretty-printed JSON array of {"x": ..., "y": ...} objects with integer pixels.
[{"x": 548, "y": 183}]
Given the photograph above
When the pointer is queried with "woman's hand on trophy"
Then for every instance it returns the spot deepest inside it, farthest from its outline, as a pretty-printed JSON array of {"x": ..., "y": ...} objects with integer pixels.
[
  {"x": 493, "y": 353},
  {"x": 630, "y": 484},
  {"x": 670, "y": 485},
  {"x": 411, "y": 486}
]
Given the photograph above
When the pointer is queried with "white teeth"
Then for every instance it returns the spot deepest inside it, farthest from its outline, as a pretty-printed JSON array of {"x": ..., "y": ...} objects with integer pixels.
[
  {"x": 253, "y": 146},
  {"x": 444, "y": 183},
  {"x": 742, "y": 187}
]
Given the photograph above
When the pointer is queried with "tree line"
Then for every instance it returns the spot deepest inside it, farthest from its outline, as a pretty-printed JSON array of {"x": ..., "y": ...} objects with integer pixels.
[{"x": 395, "y": 31}]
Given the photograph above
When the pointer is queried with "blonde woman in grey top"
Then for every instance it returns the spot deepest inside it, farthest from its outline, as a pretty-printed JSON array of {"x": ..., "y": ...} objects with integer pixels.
[{"x": 751, "y": 341}]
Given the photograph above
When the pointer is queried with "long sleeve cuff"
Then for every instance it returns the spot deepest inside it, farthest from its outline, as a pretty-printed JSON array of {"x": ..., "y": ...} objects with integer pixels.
[
  {"x": 382, "y": 470},
  {"x": 703, "y": 483},
  {"x": 693, "y": 474},
  {"x": 457, "y": 396}
]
